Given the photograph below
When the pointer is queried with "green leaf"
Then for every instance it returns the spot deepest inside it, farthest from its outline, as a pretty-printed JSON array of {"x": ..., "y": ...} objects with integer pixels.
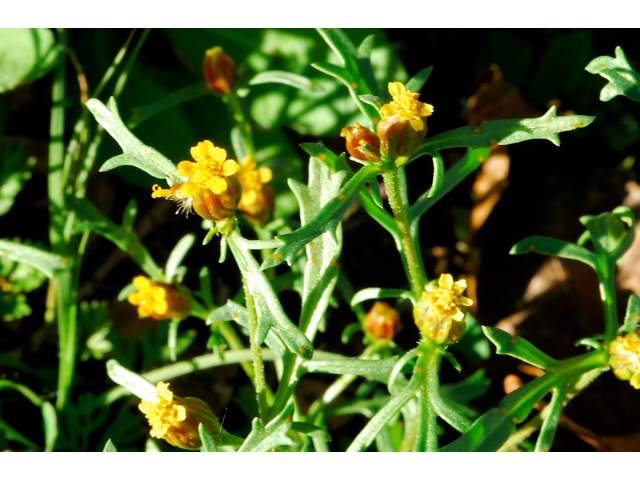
[
  {"x": 623, "y": 79},
  {"x": 140, "y": 114},
  {"x": 124, "y": 238},
  {"x": 611, "y": 233},
  {"x": 27, "y": 54},
  {"x": 311, "y": 430},
  {"x": 286, "y": 78},
  {"x": 418, "y": 80},
  {"x": 377, "y": 293},
  {"x": 518, "y": 347},
  {"x": 632, "y": 317},
  {"x": 551, "y": 246},
  {"x": 177, "y": 255},
  {"x": 208, "y": 442},
  {"x": 137, "y": 385},
  {"x": 467, "y": 390},
  {"x": 333, "y": 161},
  {"x": 47, "y": 263},
  {"x": 263, "y": 439},
  {"x": 109, "y": 447},
  {"x": 14, "y": 435},
  {"x": 270, "y": 312},
  {"x": 550, "y": 423},
  {"x": 14, "y": 172},
  {"x": 376, "y": 370},
  {"x": 506, "y": 132},
  {"x": 50, "y": 421},
  {"x": 349, "y": 330},
  {"x": 136, "y": 153},
  {"x": 375, "y": 102},
  {"x": 327, "y": 219}
]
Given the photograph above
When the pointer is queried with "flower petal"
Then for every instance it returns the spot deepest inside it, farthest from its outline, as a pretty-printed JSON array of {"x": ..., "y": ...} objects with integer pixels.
[
  {"x": 230, "y": 167},
  {"x": 186, "y": 168},
  {"x": 219, "y": 186}
]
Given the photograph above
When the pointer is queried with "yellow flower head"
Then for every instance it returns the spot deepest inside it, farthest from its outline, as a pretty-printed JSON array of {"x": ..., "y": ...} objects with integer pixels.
[
  {"x": 625, "y": 358},
  {"x": 438, "y": 313},
  {"x": 162, "y": 413},
  {"x": 208, "y": 170},
  {"x": 251, "y": 180},
  {"x": 406, "y": 105},
  {"x": 158, "y": 300}
]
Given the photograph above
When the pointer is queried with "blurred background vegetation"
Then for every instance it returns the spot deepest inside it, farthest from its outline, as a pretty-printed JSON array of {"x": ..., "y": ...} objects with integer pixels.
[{"x": 529, "y": 189}]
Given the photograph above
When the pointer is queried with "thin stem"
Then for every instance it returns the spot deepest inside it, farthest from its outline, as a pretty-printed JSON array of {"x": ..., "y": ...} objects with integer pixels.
[
  {"x": 409, "y": 251},
  {"x": 243, "y": 124},
  {"x": 608, "y": 293}
]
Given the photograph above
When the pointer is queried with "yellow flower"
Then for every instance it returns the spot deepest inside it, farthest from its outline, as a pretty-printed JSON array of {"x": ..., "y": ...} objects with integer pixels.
[
  {"x": 158, "y": 300},
  {"x": 438, "y": 313},
  {"x": 625, "y": 358},
  {"x": 162, "y": 413},
  {"x": 208, "y": 170},
  {"x": 406, "y": 105},
  {"x": 251, "y": 180}
]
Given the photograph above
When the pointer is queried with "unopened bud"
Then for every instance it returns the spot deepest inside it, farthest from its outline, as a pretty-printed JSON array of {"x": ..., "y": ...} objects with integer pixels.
[
  {"x": 219, "y": 71},
  {"x": 382, "y": 321},
  {"x": 362, "y": 143},
  {"x": 158, "y": 300},
  {"x": 398, "y": 139}
]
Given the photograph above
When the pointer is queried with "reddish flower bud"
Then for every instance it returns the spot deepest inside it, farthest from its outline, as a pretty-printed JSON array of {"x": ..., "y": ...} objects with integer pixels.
[
  {"x": 382, "y": 321},
  {"x": 219, "y": 71},
  {"x": 362, "y": 143},
  {"x": 398, "y": 139}
]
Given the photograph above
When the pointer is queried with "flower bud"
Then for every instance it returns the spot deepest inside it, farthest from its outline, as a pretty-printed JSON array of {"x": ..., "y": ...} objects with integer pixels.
[
  {"x": 625, "y": 358},
  {"x": 398, "y": 139},
  {"x": 382, "y": 321},
  {"x": 219, "y": 71},
  {"x": 159, "y": 300},
  {"x": 438, "y": 313},
  {"x": 211, "y": 206},
  {"x": 176, "y": 419},
  {"x": 362, "y": 143}
]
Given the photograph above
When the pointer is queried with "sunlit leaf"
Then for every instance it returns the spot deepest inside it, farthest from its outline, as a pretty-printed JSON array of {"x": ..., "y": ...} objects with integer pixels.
[{"x": 623, "y": 79}]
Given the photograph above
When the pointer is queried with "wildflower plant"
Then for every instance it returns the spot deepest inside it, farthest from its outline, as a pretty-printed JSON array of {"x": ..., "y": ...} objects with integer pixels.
[{"x": 237, "y": 202}]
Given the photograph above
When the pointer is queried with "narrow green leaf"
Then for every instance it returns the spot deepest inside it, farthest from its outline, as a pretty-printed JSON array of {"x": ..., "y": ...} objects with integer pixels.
[
  {"x": 109, "y": 447},
  {"x": 263, "y": 439},
  {"x": 140, "y": 114},
  {"x": 136, "y": 153},
  {"x": 518, "y": 347},
  {"x": 172, "y": 338},
  {"x": 333, "y": 161},
  {"x": 47, "y": 263},
  {"x": 551, "y": 246},
  {"x": 14, "y": 435},
  {"x": 377, "y": 293},
  {"x": 27, "y": 54},
  {"x": 129, "y": 215},
  {"x": 208, "y": 442},
  {"x": 377, "y": 370},
  {"x": 623, "y": 79},
  {"x": 177, "y": 255},
  {"x": 327, "y": 219},
  {"x": 137, "y": 385},
  {"x": 311, "y": 430},
  {"x": 550, "y": 423},
  {"x": 374, "y": 101},
  {"x": 15, "y": 170},
  {"x": 452, "y": 360},
  {"x": 349, "y": 330},
  {"x": 286, "y": 78},
  {"x": 632, "y": 317},
  {"x": 506, "y": 132},
  {"x": 611, "y": 233},
  {"x": 50, "y": 421},
  {"x": 419, "y": 79},
  {"x": 396, "y": 373},
  {"x": 24, "y": 390}
]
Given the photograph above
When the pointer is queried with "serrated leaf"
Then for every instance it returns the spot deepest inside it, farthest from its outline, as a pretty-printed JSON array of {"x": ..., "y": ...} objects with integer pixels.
[
  {"x": 27, "y": 54},
  {"x": 124, "y": 238},
  {"x": 239, "y": 314},
  {"x": 377, "y": 293},
  {"x": 287, "y": 78},
  {"x": 137, "y": 385},
  {"x": 418, "y": 80},
  {"x": 327, "y": 219},
  {"x": 47, "y": 263},
  {"x": 270, "y": 312},
  {"x": 518, "y": 347},
  {"x": 109, "y": 447},
  {"x": 263, "y": 439},
  {"x": 377, "y": 370},
  {"x": 136, "y": 153},
  {"x": 623, "y": 79},
  {"x": 551, "y": 246},
  {"x": 140, "y": 114},
  {"x": 506, "y": 132},
  {"x": 632, "y": 317}
]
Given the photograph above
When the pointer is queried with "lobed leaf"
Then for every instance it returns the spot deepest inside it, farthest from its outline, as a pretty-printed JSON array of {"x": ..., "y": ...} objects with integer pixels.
[
  {"x": 551, "y": 246},
  {"x": 518, "y": 347},
  {"x": 506, "y": 132},
  {"x": 623, "y": 79},
  {"x": 611, "y": 233},
  {"x": 263, "y": 439},
  {"x": 135, "y": 153},
  {"x": 376, "y": 370}
]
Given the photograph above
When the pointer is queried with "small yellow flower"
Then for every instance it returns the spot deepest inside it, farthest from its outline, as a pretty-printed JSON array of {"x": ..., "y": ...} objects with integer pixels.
[
  {"x": 162, "y": 413},
  {"x": 252, "y": 180},
  {"x": 438, "y": 313},
  {"x": 208, "y": 170},
  {"x": 158, "y": 300},
  {"x": 625, "y": 358},
  {"x": 407, "y": 106}
]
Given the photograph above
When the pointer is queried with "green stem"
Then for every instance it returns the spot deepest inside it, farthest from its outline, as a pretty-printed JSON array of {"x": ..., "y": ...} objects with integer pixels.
[
  {"x": 409, "y": 251},
  {"x": 607, "y": 286},
  {"x": 244, "y": 126}
]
